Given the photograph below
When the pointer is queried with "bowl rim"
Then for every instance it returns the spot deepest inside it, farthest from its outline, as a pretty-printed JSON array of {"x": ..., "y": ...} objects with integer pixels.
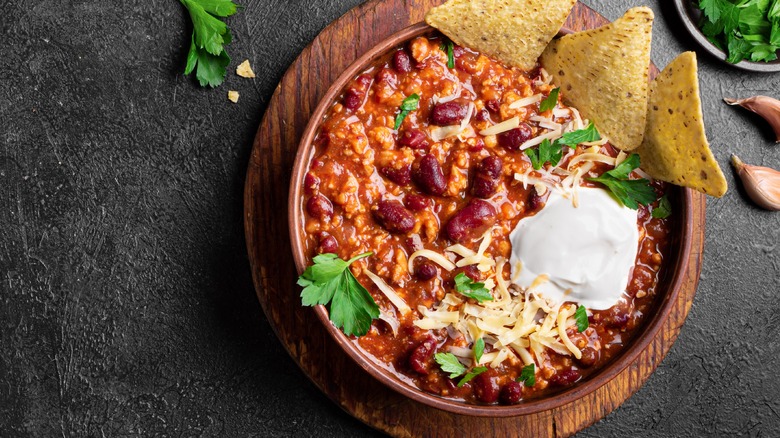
[
  {"x": 685, "y": 9},
  {"x": 381, "y": 372}
]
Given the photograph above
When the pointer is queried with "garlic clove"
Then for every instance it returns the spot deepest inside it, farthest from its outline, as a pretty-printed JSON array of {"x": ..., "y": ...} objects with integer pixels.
[
  {"x": 762, "y": 184},
  {"x": 764, "y": 106}
]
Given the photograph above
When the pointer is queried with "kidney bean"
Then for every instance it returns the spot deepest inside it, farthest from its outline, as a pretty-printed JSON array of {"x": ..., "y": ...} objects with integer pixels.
[
  {"x": 356, "y": 94},
  {"x": 353, "y": 99},
  {"x": 511, "y": 393},
  {"x": 402, "y": 176},
  {"x": 471, "y": 272},
  {"x": 448, "y": 113},
  {"x": 616, "y": 317},
  {"x": 429, "y": 176},
  {"x": 565, "y": 377},
  {"x": 486, "y": 177},
  {"x": 493, "y": 105},
  {"x": 416, "y": 202},
  {"x": 420, "y": 359},
  {"x": 413, "y": 243},
  {"x": 310, "y": 184},
  {"x": 414, "y": 138},
  {"x": 482, "y": 115},
  {"x": 386, "y": 76},
  {"x": 514, "y": 138},
  {"x": 479, "y": 144},
  {"x": 470, "y": 222},
  {"x": 328, "y": 244},
  {"x": 319, "y": 207},
  {"x": 486, "y": 387},
  {"x": 535, "y": 201},
  {"x": 425, "y": 271},
  {"x": 402, "y": 63},
  {"x": 394, "y": 217},
  {"x": 589, "y": 357}
]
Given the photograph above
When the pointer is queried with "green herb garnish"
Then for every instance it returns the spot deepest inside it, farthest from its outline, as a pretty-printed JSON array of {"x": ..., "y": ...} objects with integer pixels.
[
  {"x": 581, "y": 317},
  {"x": 630, "y": 192},
  {"x": 745, "y": 29},
  {"x": 450, "y": 364},
  {"x": 550, "y": 101},
  {"x": 552, "y": 152},
  {"x": 479, "y": 349},
  {"x": 664, "y": 209},
  {"x": 409, "y": 104},
  {"x": 468, "y": 287},
  {"x": 546, "y": 152},
  {"x": 447, "y": 46},
  {"x": 470, "y": 375},
  {"x": 329, "y": 280},
  {"x": 210, "y": 35},
  {"x": 588, "y": 134},
  {"x": 528, "y": 375}
]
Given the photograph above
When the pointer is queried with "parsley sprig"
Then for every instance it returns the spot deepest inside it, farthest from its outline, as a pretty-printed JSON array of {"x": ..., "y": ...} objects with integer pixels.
[
  {"x": 548, "y": 152},
  {"x": 581, "y": 318},
  {"x": 550, "y": 101},
  {"x": 468, "y": 287},
  {"x": 207, "y": 55},
  {"x": 528, "y": 375},
  {"x": 630, "y": 192},
  {"x": 450, "y": 364},
  {"x": 447, "y": 46},
  {"x": 745, "y": 29},
  {"x": 479, "y": 349},
  {"x": 664, "y": 209},
  {"x": 408, "y": 105},
  {"x": 329, "y": 280}
]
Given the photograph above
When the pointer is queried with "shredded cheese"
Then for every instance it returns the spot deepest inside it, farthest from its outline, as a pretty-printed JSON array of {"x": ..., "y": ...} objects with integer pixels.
[
  {"x": 388, "y": 291},
  {"x": 506, "y": 125},
  {"x": 432, "y": 256},
  {"x": 526, "y": 101}
]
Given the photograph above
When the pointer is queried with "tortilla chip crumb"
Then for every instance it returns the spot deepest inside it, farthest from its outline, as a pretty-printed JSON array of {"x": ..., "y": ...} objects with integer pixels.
[
  {"x": 233, "y": 96},
  {"x": 245, "y": 70}
]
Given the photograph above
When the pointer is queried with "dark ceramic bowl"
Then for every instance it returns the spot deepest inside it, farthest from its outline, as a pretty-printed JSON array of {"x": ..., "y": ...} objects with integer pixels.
[
  {"x": 668, "y": 288},
  {"x": 690, "y": 16}
]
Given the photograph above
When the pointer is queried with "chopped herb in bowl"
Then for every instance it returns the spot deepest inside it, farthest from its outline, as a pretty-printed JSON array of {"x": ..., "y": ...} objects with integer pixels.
[{"x": 744, "y": 29}]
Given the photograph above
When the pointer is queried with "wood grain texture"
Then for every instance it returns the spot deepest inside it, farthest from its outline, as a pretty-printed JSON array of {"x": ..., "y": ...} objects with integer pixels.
[{"x": 274, "y": 272}]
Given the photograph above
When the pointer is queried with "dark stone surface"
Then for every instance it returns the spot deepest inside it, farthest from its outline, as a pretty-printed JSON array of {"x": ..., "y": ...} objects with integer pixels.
[{"x": 126, "y": 302}]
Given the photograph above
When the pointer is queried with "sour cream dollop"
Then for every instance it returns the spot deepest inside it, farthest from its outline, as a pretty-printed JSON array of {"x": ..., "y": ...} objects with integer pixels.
[{"x": 588, "y": 252}]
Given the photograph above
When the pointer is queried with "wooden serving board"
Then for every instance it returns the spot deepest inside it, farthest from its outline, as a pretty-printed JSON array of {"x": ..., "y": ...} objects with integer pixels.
[{"x": 273, "y": 269}]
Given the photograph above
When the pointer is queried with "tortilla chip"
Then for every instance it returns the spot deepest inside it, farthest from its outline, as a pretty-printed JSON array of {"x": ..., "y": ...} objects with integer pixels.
[
  {"x": 603, "y": 73},
  {"x": 675, "y": 148},
  {"x": 513, "y": 31}
]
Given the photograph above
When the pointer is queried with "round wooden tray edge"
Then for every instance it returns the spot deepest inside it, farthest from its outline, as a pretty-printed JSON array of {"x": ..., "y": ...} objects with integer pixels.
[{"x": 265, "y": 284}]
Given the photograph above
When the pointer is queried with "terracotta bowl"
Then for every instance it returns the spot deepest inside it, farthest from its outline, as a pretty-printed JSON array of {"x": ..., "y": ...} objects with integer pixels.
[{"x": 669, "y": 287}]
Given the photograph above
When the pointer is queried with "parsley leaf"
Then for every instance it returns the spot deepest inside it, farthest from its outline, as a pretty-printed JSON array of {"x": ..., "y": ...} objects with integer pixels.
[
  {"x": 550, "y": 101},
  {"x": 409, "y": 104},
  {"x": 479, "y": 349},
  {"x": 581, "y": 316},
  {"x": 466, "y": 286},
  {"x": 207, "y": 55},
  {"x": 528, "y": 375},
  {"x": 447, "y": 46},
  {"x": 470, "y": 375},
  {"x": 329, "y": 280},
  {"x": 663, "y": 210},
  {"x": 630, "y": 192},
  {"x": 449, "y": 364},
  {"x": 572, "y": 139},
  {"x": 624, "y": 169},
  {"x": 744, "y": 29},
  {"x": 547, "y": 152}
]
